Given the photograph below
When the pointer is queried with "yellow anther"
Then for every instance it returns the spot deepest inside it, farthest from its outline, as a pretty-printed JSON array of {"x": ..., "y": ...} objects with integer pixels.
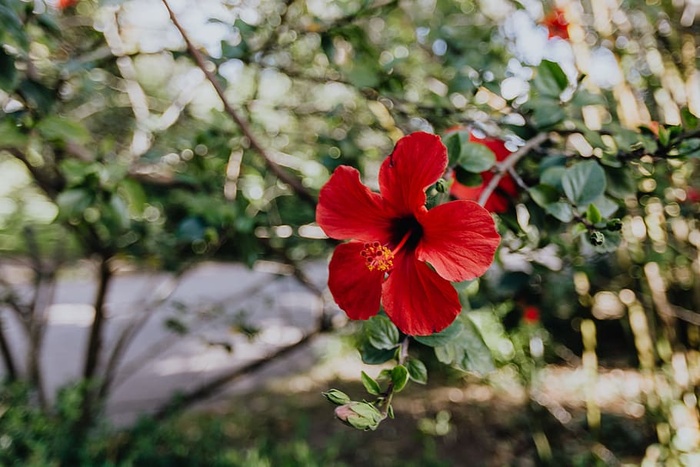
[{"x": 378, "y": 257}]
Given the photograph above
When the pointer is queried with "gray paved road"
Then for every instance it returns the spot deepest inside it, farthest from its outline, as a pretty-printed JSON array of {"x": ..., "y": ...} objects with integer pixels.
[{"x": 160, "y": 363}]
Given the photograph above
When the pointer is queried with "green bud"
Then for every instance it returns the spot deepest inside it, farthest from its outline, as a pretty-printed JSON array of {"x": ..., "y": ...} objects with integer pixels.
[
  {"x": 359, "y": 415},
  {"x": 614, "y": 225},
  {"x": 336, "y": 397},
  {"x": 441, "y": 185},
  {"x": 596, "y": 238}
]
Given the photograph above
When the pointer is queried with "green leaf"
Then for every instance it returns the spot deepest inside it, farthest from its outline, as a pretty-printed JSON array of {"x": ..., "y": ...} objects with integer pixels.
[
  {"x": 689, "y": 148},
  {"x": 12, "y": 26},
  {"x": 336, "y": 396},
  {"x": 606, "y": 206},
  {"x": 583, "y": 98},
  {"x": 399, "y": 376},
  {"x": 467, "y": 351},
  {"x": 11, "y": 136},
  {"x": 475, "y": 157},
  {"x": 55, "y": 128},
  {"x": 370, "y": 384},
  {"x": 690, "y": 120},
  {"x": 547, "y": 115},
  {"x": 552, "y": 176},
  {"x": 560, "y": 210},
  {"x": 134, "y": 194},
  {"x": 550, "y": 79},
  {"x": 593, "y": 214},
  {"x": 72, "y": 203},
  {"x": 8, "y": 72},
  {"x": 620, "y": 182},
  {"x": 417, "y": 370},
  {"x": 453, "y": 143},
  {"x": 543, "y": 195},
  {"x": 381, "y": 333},
  {"x": 373, "y": 356},
  {"x": 37, "y": 95},
  {"x": 584, "y": 182},
  {"x": 443, "y": 337},
  {"x": 468, "y": 178}
]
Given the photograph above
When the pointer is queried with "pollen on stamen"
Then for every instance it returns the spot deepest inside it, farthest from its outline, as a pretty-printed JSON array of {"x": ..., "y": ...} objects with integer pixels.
[{"x": 377, "y": 257}]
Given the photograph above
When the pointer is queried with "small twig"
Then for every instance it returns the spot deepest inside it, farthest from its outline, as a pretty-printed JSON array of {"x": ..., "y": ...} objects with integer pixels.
[
  {"x": 129, "y": 333},
  {"x": 274, "y": 167},
  {"x": 95, "y": 341},
  {"x": 160, "y": 346},
  {"x": 502, "y": 168},
  {"x": 215, "y": 385},
  {"x": 7, "y": 356}
]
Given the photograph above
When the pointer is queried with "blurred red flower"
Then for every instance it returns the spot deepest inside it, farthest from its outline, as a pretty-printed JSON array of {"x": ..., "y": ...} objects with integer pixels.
[
  {"x": 401, "y": 254},
  {"x": 556, "y": 24},
  {"x": 531, "y": 314},
  {"x": 63, "y": 4},
  {"x": 506, "y": 190}
]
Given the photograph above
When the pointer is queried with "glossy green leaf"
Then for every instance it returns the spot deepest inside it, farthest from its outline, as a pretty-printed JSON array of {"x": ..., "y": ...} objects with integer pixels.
[
  {"x": 55, "y": 128},
  {"x": 560, "y": 210},
  {"x": 550, "y": 79},
  {"x": 593, "y": 214},
  {"x": 11, "y": 136},
  {"x": 467, "y": 351},
  {"x": 371, "y": 386},
  {"x": 336, "y": 396},
  {"x": 443, "y": 337},
  {"x": 543, "y": 195},
  {"x": 584, "y": 182},
  {"x": 381, "y": 333},
  {"x": 475, "y": 157},
  {"x": 8, "y": 72},
  {"x": 373, "y": 356},
  {"x": 468, "y": 178},
  {"x": 552, "y": 176},
  {"x": 399, "y": 376},
  {"x": 417, "y": 370}
]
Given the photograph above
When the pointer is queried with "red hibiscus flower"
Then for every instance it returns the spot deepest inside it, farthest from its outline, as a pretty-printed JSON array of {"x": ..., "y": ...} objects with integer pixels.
[
  {"x": 531, "y": 314},
  {"x": 556, "y": 24},
  {"x": 506, "y": 190},
  {"x": 63, "y": 4},
  {"x": 400, "y": 253}
]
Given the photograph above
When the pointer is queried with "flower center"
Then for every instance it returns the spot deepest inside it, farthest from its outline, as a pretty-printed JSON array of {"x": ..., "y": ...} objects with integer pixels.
[{"x": 378, "y": 257}]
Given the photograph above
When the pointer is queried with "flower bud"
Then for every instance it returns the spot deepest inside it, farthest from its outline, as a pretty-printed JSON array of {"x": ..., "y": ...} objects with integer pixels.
[
  {"x": 614, "y": 225},
  {"x": 441, "y": 185},
  {"x": 337, "y": 397},
  {"x": 359, "y": 415},
  {"x": 596, "y": 238}
]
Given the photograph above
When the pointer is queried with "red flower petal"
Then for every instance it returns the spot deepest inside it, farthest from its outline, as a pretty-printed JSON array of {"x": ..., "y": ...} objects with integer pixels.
[
  {"x": 417, "y": 162},
  {"x": 355, "y": 289},
  {"x": 459, "y": 240},
  {"x": 349, "y": 210},
  {"x": 417, "y": 300}
]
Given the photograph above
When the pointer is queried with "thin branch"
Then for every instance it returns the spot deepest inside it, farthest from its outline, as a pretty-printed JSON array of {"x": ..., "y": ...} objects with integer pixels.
[
  {"x": 164, "y": 344},
  {"x": 215, "y": 385},
  {"x": 502, "y": 168},
  {"x": 95, "y": 341},
  {"x": 7, "y": 356},
  {"x": 275, "y": 168},
  {"x": 129, "y": 333}
]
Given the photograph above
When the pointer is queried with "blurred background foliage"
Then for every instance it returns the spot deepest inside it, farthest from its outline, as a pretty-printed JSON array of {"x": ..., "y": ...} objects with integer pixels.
[{"x": 115, "y": 146}]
